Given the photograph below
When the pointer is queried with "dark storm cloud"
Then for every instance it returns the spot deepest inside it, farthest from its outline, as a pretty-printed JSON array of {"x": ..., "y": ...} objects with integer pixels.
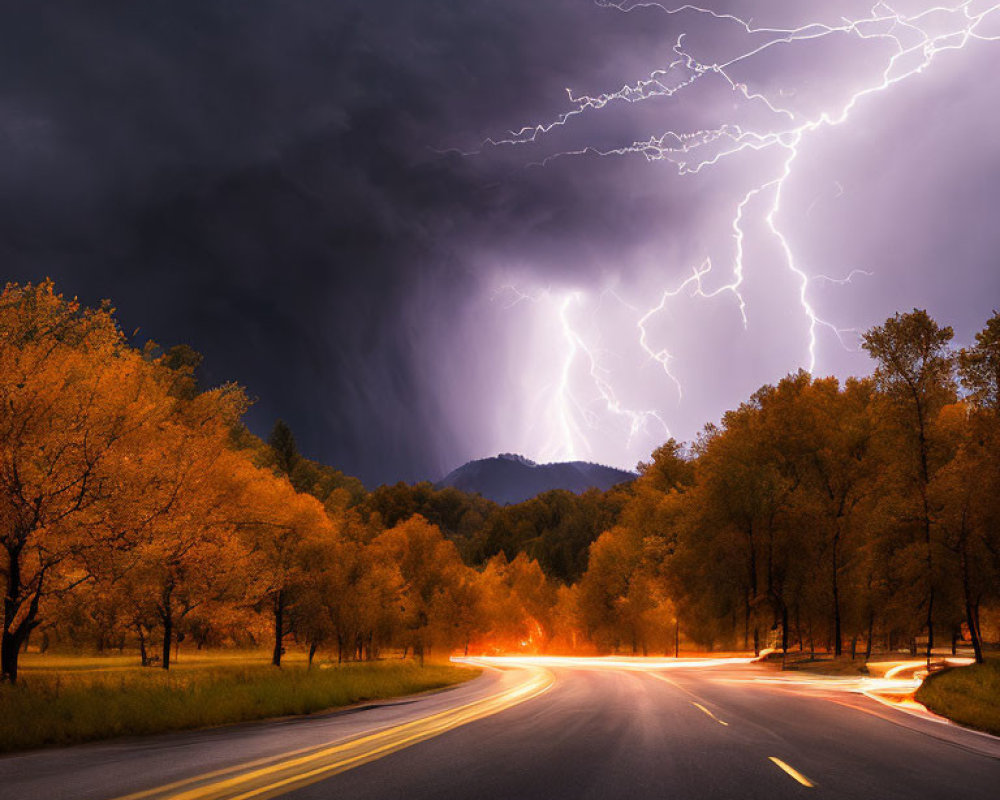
[
  {"x": 258, "y": 179},
  {"x": 272, "y": 183}
]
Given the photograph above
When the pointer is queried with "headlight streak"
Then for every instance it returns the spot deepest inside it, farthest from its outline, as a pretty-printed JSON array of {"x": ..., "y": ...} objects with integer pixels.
[
  {"x": 915, "y": 41},
  {"x": 895, "y": 688},
  {"x": 610, "y": 662},
  {"x": 277, "y": 775}
]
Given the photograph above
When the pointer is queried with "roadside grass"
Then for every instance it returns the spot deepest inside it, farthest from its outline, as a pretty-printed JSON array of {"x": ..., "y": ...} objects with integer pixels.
[
  {"x": 828, "y": 666},
  {"x": 61, "y": 700},
  {"x": 967, "y": 695},
  {"x": 32, "y": 662},
  {"x": 844, "y": 666}
]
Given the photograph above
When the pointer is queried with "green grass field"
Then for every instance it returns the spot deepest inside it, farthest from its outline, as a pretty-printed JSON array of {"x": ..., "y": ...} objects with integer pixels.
[
  {"x": 63, "y": 700},
  {"x": 968, "y": 695}
]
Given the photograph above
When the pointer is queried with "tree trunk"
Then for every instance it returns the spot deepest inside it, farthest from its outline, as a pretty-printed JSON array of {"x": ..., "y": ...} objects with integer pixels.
[
  {"x": 752, "y": 567},
  {"x": 143, "y": 655},
  {"x": 15, "y": 635},
  {"x": 168, "y": 635},
  {"x": 929, "y": 554},
  {"x": 279, "y": 627},
  {"x": 312, "y": 651},
  {"x": 9, "y": 650},
  {"x": 167, "y": 617},
  {"x": 837, "y": 646},
  {"x": 930, "y": 623},
  {"x": 871, "y": 629},
  {"x": 971, "y": 615}
]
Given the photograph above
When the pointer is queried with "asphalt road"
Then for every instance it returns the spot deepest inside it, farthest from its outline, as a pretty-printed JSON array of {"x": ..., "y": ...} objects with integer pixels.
[{"x": 698, "y": 732}]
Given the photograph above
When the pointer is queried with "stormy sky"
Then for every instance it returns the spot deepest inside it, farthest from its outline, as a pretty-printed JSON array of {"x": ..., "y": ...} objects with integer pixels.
[{"x": 301, "y": 191}]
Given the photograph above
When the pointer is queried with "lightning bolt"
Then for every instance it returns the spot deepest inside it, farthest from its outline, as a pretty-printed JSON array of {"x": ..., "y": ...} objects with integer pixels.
[
  {"x": 914, "y": 42},
  {"x": 569, "y": 417}
]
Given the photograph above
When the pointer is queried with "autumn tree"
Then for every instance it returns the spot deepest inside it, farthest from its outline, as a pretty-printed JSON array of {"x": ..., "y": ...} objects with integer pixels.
[
  {"x": 567, "y": 621},
  {"x": 284, "y": 450},
  {"x": 276, "y": 523},
  {"x": 430, "y": 567},
  {"x": 186, "y": 552},
  {"x": 625, "y": 594},
  {"x": 971, "y": 482},
  {"x": 75, "y": 398},
  {"x": 516, "y": 601},
  {"x": 668, "y": 469},
  {"x": 821, "y": 436},
  {"x": 914, "y": 371},
  {"x": 979, "y": 367},
  {"x": 619, "y": 597},
  {"x": 747, "y": 495}
]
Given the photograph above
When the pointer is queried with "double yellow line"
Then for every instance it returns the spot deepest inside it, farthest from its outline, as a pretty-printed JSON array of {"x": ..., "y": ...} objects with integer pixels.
[{"x": 276, "y": 775}]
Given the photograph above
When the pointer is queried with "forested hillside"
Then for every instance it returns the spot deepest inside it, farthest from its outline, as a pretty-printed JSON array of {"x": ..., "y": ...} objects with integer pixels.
[{"x": 510, "y": 478}]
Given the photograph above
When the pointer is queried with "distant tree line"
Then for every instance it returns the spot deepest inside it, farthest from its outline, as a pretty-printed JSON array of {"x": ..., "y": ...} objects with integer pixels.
[
  {"x": 556, "y": 528},
  {"x": 136, "y": 511}
]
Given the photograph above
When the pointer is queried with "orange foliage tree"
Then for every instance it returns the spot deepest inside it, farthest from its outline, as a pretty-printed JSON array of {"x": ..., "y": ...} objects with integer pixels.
[{"x": 77, "y": 400}]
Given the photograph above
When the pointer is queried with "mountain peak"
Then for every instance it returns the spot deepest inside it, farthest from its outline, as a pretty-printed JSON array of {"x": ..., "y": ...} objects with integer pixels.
[
  {"x": 512, "y": 478},
  {"x": 517, "y": 458}
]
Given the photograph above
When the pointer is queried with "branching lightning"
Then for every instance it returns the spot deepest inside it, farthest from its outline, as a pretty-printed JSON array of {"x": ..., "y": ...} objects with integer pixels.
[
  {"x": 565, "y": 410},
  {"x": 914, "y": 41}
]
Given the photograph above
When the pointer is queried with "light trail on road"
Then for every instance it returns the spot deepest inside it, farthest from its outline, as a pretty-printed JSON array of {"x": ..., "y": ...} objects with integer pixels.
[
  {"x": 611, "y": 662},
  {"x": 284, "y": 773},
  {"x": 895, "y": 687},
  {"x": 549, "y": 727}
]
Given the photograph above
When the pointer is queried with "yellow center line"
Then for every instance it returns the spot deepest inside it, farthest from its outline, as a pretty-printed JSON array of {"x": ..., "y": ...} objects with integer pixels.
[
  {"x": 700, "y": 706},
  {"x": 793, "y": 772},
  {"x": 673, "y": 683},
  {"x": 276, "y": 774}
]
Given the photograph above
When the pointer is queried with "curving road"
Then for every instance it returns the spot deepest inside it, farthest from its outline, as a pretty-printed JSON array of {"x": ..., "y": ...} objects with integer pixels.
[{"x": 558, "y": 729}]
